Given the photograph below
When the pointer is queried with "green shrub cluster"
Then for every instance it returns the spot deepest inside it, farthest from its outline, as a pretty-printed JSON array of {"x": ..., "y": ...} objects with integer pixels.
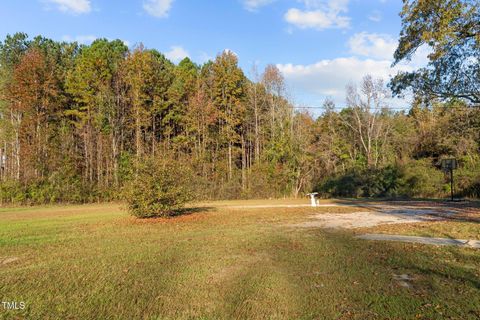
[
  {"x": 417, "y": 179},
  {"x": 468, "y": 179},
  {"x": 55, "y": 189},
  {"x": 158, "y": 188}
]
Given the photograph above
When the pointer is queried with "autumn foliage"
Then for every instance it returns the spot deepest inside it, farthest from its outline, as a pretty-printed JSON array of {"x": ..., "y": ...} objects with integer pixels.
[{"x": 76, "y": 120}]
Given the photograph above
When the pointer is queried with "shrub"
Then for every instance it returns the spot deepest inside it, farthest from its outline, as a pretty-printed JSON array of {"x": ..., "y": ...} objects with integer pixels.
[
  {"x": 347, "y": 184},
  {"x": 417, "y": 178},
  {"x": 467, "y": 178},
  {"x": 381, "y": 182},
  {"x": 421, "y": 179},
  {"x": 263, "y": 182},
  {"x": 11, "y": 192},
  {"x": 158, "y": 188}
]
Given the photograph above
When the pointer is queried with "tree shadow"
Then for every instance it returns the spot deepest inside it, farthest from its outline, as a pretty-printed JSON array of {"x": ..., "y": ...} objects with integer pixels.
[
  {"x": 191, "y": 210},
  {"x": 452, "y": 265},
  {"x": 188, "y": 212},
  {"x": 359, "y": 275}
]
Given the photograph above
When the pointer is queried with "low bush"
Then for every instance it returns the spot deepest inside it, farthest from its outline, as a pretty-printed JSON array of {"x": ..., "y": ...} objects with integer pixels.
[{"x": 158, "y": 188}]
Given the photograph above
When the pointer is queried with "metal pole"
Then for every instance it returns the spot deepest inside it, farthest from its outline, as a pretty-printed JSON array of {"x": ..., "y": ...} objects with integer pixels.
[{"x": 451, "y": 182}]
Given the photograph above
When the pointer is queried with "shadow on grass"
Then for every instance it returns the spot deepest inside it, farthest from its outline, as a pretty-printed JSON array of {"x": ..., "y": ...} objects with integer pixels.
[
  {"x": 177, "y": 214},
  {"x": 412, "y": 257},
  {"x": 448, "y": 275},
  {"x": 192, "y": 210}
]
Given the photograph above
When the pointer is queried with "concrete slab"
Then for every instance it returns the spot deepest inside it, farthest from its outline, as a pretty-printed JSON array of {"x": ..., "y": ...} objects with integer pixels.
[{"x": 422, "y": 240}]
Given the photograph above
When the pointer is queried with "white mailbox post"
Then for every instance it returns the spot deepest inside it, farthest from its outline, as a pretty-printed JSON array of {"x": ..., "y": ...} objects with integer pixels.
[{"x": 313, "y": 201}]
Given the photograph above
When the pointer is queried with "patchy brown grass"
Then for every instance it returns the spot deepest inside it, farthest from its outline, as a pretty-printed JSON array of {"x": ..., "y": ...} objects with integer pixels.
[
  {"x": 91, "y": 262},
  {"x": 437, "y": 229}
]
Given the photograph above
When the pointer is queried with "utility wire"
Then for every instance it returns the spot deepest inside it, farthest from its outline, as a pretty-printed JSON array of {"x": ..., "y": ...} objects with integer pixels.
[{"x": 384, "y": 108}]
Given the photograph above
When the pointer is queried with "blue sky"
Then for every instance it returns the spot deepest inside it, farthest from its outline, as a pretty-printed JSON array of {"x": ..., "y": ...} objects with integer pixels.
[{"x": 319, "y": 45}]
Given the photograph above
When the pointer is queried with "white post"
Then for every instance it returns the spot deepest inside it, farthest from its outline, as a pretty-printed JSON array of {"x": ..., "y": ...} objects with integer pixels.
[{"x": 313, "y": 201}]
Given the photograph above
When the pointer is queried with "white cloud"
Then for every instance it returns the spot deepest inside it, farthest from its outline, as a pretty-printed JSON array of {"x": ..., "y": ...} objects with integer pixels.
[
  {"x": 315, "y": 19},
  {"x": 72, "y": 6},
  {"x": 176, "y": 54},
  {"x": 328, "y": 78},
  {"x": 204, "y": 57},
  {"x": 420, "y": 58},
  {"x": 337, "y": 5},
  {"x": 158, "y": 8},
  {"x": 319, "y": 15},
  {"x": 253, "y": 5},
  {"x": 375, "y": 16},
  {"x": 88, "y": 39},
  {"x": 372, "y": 45},
  {"x": 81, "y": 39},
  {"x": 370, "y": 53}
]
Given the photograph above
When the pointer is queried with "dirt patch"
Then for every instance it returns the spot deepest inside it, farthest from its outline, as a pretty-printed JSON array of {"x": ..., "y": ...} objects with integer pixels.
[
  {"x": 259, "y": 206},
  {"x": 364, "y": 219},
  {"x": 372, "y": 214},
  {"x": 403, "y": 280},
  {"x": 467, "y": 211}
]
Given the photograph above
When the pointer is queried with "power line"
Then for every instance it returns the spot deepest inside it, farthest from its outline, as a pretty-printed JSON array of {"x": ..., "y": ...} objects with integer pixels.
[
  {"x": 340, "y": 108},
  {"x": 383, "y": 108}
]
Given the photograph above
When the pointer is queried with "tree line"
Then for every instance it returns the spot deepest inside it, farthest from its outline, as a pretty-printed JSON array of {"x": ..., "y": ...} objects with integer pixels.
[{"x": 75, "y": 120}]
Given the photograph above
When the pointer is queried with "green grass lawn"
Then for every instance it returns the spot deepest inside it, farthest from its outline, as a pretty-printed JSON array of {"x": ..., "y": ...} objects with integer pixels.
[{"x": 96, "y": 262}]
